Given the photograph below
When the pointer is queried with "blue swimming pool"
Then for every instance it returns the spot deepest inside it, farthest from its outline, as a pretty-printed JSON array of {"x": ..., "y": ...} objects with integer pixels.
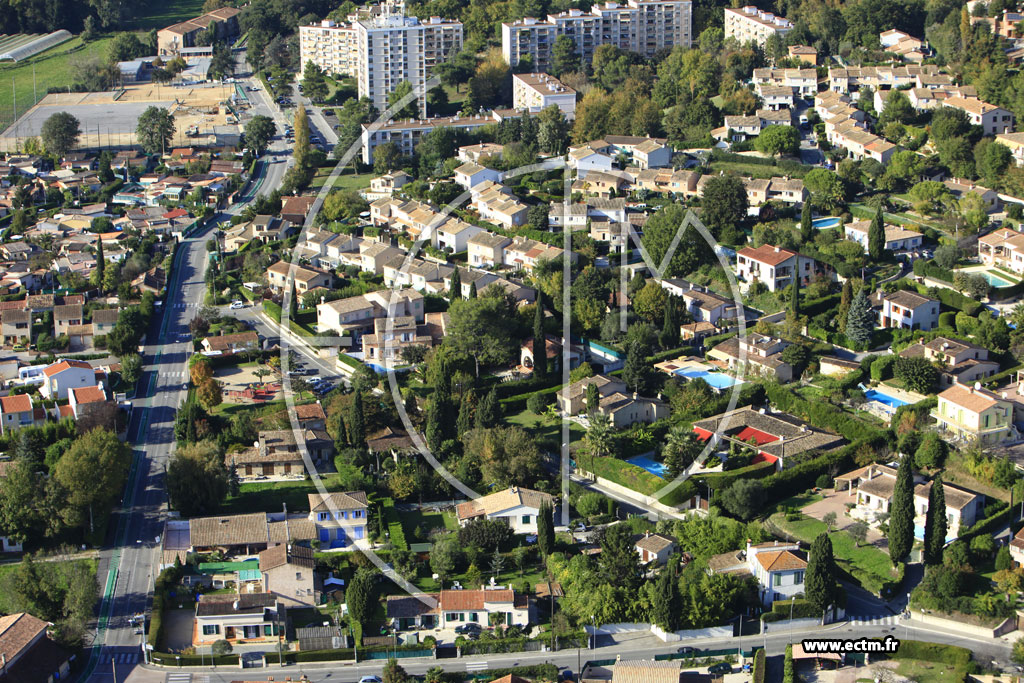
[
  {"x": 652, "y": 466},
  {"x": 884, "y": 398},
  {"x": 995, "y": 280},
  {"x": 718, "y": 380},
  {"x": 827, "y": 222},
  {"x": 919, "y": 534}
]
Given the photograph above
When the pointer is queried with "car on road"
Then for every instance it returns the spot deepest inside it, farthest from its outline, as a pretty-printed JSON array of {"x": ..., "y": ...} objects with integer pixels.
[
  {"x": 686, "y": 650},
  {"x": 371, "y": 679},
  {"x": 328, "y": 112},
  {"x": 237, "y": 304},
  {"x": 184, "y": 387}
]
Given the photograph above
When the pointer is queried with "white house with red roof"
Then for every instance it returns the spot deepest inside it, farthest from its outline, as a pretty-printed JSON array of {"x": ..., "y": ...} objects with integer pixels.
[
  {"x": 82, "y": 399},
  {"x": 451, "y": 608},
  {"x": 16, "y": 411},
  {"x": 773, "y": 266},
  {"x": 61, "y": 376},
  {"x": 778, "y": 567}
]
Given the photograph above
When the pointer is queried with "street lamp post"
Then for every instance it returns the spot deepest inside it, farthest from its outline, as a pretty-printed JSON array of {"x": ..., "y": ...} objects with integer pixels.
[
  {"x": 593, "y": 632},
  {"x": 792, "y": 603}
]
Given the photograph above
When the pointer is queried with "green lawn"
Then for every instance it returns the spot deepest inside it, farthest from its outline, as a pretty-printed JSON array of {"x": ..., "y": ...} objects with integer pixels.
[
  {"x": 54, "y": 68},
  {"x": 425, "y": 521},
  {"x": 866, "y": 564},
  {"x": 269, "y": 496},
  {"x": 542, "y": 427},
  {"x": 346, "y": 181},
  {"x": 159, "y": 13},
  {"x": 930, "y": 672}
]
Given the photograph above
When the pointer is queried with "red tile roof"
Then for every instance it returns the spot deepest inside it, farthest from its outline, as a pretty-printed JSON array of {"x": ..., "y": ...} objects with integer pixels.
[
  {"x": 63, "y": 365},
  {"x": 766, "y": 253},
  {"x": 88, "y": 395},
  {"x": 20, "y": 403}
]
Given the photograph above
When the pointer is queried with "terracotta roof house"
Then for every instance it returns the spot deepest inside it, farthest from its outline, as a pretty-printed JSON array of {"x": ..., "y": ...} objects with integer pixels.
[
  {"x": 778, "y": 568},
  {"x": 16, "y": 411},
  {"x": 295, "y": 209},
  {"x": 287, "y": 572},
  {"x": 655, "y": 548},
  {"x": 239, "y": 618},
  {"x": 61, "y": 376},
  {"x": 340, "y": 518},
  {"x": 518, "y": 505},
  {"x": 28, "y": 654},
  {"x": 974, "y": 414},
  {"x": 249, "y": 533},
  {"x": 230, "y": 344},
  {"x": 646, "y": 671}
]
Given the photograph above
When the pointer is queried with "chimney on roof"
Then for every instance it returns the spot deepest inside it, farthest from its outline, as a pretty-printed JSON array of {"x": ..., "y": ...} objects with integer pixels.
[{"x": 234, "y": 605}]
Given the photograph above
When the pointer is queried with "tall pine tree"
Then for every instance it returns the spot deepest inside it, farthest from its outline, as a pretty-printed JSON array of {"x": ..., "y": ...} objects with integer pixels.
[
  {"x": 806, "y": 226},
  {"x": 101, "y": 261},
  {"x": 845, "y": 299},
  {"x": 820, "y": 586},
  {"x": 901, "y": 513},
  {"x": 540, "y": 352},
  {"x": 935, "y": 523},
  {"x": 876, "y": 237},
  {"x": 860, "y": 321}
]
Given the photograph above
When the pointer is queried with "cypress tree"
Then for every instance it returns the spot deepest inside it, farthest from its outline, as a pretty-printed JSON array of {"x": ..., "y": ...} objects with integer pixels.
[
  {"x": 876, "y": 237},
  {"x": 794, "y": 296},
  {"x": 593, "y": 397},
  {"x": 438, "y": 419},
  {"x": 806, "y": 227},
  {"x": 465, "y": 420},
  {"x": 357, "y": 422},
  {"x": 667, "y": 610},
  {"x": 472, "y": 290},
  {"x": 540, "y": 351},
  {"x": 820, "y": 586},
  {"x": 935, "y": 523},
  {"x": 488, "y": 413},
  {"x": 845, "y": 299},
  {"x": 901, "y": 513},
  {"x": 546, "y": 529},
  {"x": 455, "y": 290},
  {"x": 669, "y": 337},
  {"x": 101, "y": 261}
]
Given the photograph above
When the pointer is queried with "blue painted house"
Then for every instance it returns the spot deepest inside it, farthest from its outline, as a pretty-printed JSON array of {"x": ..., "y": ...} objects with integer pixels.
[{"x": 340, "y": 518}]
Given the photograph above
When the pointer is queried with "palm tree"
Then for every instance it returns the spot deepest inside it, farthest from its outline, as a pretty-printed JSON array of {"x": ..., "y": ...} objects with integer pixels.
[
  {"x": 600, "y": 437},
  {"x": 260, "y": 373}
]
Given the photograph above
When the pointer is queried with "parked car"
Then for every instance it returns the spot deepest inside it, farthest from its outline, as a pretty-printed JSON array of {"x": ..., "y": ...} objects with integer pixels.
[
  {"x": 328, "y": 112},
  {"x": 686, "y": 650},
  {"x": 237, "y": 304},
  {"x": 371, "y": 679},
  {"x": 471, "y": 630},
  {"x": 720, "y": 668}
]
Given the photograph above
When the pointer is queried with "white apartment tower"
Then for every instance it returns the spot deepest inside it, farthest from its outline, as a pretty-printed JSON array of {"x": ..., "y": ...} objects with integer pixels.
[
  {"x": 382, "y": 50},
  {"x": 747, "y": 24},
  {"x": 641, "y": 26}
]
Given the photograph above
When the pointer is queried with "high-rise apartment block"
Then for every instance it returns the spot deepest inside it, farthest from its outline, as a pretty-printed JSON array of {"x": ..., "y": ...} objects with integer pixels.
[
  {"x": 381, "y": 49},
  {"x": 746, "y": 24},
  {"x": 641, "y": 26}
]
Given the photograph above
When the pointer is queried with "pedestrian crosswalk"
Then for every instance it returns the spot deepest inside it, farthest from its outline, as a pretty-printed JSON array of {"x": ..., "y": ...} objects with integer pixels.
[
  {"x": 880, "y": 620},
  {"x": 190, "y": 304},
  {"x": 476, "y": 666},
  {"x": 119, "y": 658},
  {"x": 179, "y": 678}
]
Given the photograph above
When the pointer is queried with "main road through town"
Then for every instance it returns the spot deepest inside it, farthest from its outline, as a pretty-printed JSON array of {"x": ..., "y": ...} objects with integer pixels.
[{"x": 130, "y": 561}]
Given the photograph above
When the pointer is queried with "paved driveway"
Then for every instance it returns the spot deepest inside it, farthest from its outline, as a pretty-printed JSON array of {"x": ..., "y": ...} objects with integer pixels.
[{"x": 836, "y": 502}]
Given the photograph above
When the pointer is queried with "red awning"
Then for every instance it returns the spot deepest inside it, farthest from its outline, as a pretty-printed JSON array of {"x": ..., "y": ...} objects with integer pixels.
[{"x": 702, "y": 434}]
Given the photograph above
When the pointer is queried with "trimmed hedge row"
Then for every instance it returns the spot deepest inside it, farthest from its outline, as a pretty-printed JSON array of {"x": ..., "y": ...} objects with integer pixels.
[
  {"x": 801, "y": 609},
  {"x": 823, "y": 415},
  {"x": 760, "y": 667},
  {"x": 933, "y": 652},
  {"x": 716, "y": 481},
  {"x": 622, "y": 473},
  {"x": 785, "y": 483},
  {"x": 928, "y": 268}
]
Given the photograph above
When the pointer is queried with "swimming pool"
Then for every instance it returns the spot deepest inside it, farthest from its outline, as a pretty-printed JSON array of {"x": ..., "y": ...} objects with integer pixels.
[
  {"x": 884, "y": 398},
  {"x": 919, "y": 534},
  {"x": 652, "y": 466},
  {"x": 718, "y": 380},
  {"x": 827, "y": 222},
  {"x": 996, "y": 280}
]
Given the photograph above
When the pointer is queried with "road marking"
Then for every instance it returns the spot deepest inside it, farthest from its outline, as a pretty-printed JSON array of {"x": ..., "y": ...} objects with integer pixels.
[
  {"x": 476, "y": 666},
  {"x": 179, "y": 678},
  {"x": 890, "y": 620}
]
